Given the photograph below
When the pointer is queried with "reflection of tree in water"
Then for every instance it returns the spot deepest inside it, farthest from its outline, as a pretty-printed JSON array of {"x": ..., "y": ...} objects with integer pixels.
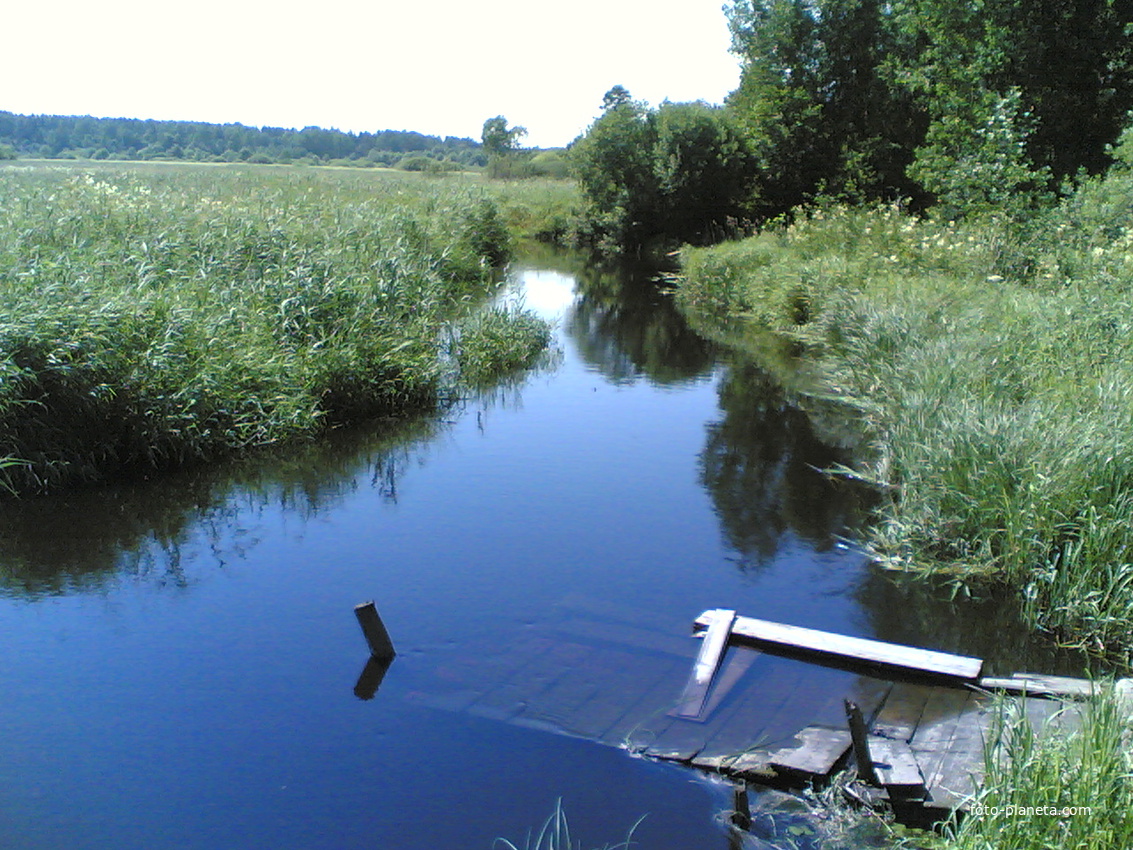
[
  {"x": 912, "y": 610},
  {"x": 140, "y": 531},
  {"x": 761, "y": 465},
  {"x": 627, "y": 327}
]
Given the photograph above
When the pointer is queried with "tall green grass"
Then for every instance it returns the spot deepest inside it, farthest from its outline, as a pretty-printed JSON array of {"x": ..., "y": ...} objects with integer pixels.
[
  {"x": 991, "y": 371},
  {"x": 1049, "y": 791},
  {"x": 154, "y": 317}
]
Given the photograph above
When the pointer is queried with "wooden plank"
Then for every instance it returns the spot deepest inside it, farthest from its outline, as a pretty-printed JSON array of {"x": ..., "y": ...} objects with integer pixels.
[
  {"x": 511, "y": 698},
  {"x": 894, "y": 763},
  {"x": 901, "y": 712},
  {"x": 750, "y": 721},
  {"x": 1060, "y": 685},
  {"x": 817, "y": 751},
  {"x": 933, "y": 735},
  {"x": 640, "y": 721},
  {"x": 707, "y": 662},
  {"x": 634, "y": 636},
  {"x": 631, "y": 676},
  {"x": 1052, "y": 717},
  {"x": 462, "y": 679},
  {"x": 851, "y": 648},
  {"x": 739, "y": 662},
  {"x": 1033, "y": 684},
  {"x": 953, "y": 773}
]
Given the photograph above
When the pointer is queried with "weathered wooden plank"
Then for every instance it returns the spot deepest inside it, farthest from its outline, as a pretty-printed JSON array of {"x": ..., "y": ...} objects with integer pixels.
[
  {"x": 1036, "y": 686},
  {"x": 628, "y": 678},
  {"x": 934, "y": 732},
  {"x": 851, "y": 648},
  {"x": 510, "y": 699},
  {"x": 894, "y": 763},
  {"x": 641, "y": 720},
  {"x": 462, "y": 679},
  {"x": 816, "y": 751},
  {"x": 627, "y": 635},
  {"x": 901, "y": 712},
  {"x": 692, "y": 700},
  {"x": 739, "y": 661},
  {"x": 1052, "y": 717},
  {"x": 954, "y": 772},
  {"x": 751, "y": 720}
]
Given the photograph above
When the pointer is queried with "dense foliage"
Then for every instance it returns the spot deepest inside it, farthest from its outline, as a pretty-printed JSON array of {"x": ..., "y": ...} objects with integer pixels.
[
  {"x": 966, "y": 107},
  {"x": 151, "y": 317},
  {"x": 58, "y": 136},
  {"x": 948, "y": 101},
  {"x": 683, "y": 171}
]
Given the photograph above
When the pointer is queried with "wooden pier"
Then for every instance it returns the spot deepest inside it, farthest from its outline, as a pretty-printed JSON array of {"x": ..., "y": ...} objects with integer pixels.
[{"x": 758, "y": 701}]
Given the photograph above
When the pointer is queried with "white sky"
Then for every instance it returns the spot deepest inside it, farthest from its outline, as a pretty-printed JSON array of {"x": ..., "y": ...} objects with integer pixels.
[{"x": 435, "y": 66}]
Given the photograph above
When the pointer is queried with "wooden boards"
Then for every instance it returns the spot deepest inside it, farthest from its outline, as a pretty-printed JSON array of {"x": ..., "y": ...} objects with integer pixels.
[
  {"x": 1033, "y": 684},
  {"x": 691, "y": 703},
  {"x": 862, "y": 650}
]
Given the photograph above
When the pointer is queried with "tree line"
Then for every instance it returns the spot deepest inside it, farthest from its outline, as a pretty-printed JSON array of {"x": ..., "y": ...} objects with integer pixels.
[
  {"x": 84, "y": 137},
  {"x": 957, "y": 106}
]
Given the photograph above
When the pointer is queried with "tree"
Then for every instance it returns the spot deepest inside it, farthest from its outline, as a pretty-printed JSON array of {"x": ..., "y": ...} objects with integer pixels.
[
  {"x": 499, "y": 139},
  {"x": 814, "y": 96},
  {"x": 678, "y": 172},
  {"x": 616, "y": 96}
]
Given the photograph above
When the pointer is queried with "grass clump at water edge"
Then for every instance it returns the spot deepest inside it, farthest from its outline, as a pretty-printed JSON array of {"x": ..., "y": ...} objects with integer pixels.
[
  {"x": 499, "y": 341},
  {"x": 1044, "y": 791},
  {"x": 152, "y": 318}
]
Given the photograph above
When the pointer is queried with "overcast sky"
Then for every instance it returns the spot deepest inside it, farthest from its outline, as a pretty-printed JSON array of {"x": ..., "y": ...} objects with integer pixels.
[{"x": 436, "y": 66}]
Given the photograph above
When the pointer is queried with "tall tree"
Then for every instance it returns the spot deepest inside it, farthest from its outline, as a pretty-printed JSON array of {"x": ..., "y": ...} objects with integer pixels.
[{"x": 499, "y": 139}]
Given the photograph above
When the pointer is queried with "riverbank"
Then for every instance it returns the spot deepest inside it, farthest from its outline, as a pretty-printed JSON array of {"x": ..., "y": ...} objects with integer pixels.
[
  {"x": 155, "y": 317},
  {"x": 992, "y": 372},
  {"x": 989, "y": 370}
]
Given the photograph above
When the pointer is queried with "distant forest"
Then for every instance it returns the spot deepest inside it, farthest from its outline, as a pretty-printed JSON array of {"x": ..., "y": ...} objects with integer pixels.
[{"x": 84, "y": 137}]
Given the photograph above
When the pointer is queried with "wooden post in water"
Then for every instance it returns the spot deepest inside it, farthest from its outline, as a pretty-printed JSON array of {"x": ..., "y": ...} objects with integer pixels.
[
  {"x": 741, "y": 811},
  {"x": 374, "y": 629},
  {"x": 861, "y": 744}
]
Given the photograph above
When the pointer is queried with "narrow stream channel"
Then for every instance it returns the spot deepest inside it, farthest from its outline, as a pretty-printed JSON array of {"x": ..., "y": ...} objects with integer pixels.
[{"x": 180, "y": 655}]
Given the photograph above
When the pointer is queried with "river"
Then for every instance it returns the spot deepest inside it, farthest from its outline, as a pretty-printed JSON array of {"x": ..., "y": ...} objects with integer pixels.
[{"x": 180, "y": 655}]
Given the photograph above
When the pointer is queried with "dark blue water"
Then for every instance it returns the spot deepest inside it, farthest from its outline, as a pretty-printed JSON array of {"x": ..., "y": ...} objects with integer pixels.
[{"x": 179, "y": 656}]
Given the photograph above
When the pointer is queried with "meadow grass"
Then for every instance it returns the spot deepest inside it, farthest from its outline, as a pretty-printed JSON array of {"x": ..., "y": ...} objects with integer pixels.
[
  {"x": 991, "y": 373},
  {"x": 154, "y": 316}
]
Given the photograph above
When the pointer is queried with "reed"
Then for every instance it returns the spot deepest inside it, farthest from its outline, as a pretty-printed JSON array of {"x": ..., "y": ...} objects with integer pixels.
[
  {"x": 160, "y": 316},
  {"x": 1045, "y": 791},
  {"x": 555, "y": 835}
]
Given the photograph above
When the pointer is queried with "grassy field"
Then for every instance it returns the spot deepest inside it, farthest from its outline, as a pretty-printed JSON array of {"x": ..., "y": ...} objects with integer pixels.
[{"x": 159, "y": 314}]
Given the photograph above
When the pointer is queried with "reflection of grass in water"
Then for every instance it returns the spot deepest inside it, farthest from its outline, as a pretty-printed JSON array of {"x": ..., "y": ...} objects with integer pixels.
[
  {"x": 145, "y": 531},
  {"x": 555, "y": 835}
]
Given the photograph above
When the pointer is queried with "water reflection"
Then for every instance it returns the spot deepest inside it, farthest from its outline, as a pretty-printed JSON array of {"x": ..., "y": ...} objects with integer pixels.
[
  {"x": 143, "y": 529},
  {"x": 625, "y": 326},
  {"x": 762, "y": 465},
  {"x": 914, "y": 610}
]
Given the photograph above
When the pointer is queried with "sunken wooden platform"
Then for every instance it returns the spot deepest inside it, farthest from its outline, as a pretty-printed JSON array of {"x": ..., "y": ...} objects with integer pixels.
[{"x": 758, "y": 701}]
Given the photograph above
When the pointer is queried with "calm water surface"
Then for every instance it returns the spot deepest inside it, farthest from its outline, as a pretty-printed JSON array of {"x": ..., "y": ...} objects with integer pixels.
[{"x": 180, "y": 656}]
